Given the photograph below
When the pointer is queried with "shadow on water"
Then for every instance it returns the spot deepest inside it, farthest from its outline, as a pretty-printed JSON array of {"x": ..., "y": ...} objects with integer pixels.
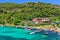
[{"x": 10, "y": 38}]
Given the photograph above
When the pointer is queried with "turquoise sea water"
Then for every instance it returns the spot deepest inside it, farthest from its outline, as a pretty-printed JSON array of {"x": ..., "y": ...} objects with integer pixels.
[{"x": 10, "y": 33}]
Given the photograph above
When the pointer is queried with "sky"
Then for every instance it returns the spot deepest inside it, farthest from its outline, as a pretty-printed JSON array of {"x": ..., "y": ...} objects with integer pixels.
[{"x": 23, "y": 1}]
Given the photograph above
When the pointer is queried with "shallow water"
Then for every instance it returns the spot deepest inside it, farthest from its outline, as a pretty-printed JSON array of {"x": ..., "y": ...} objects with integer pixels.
[{"x": 10, "y": 33}]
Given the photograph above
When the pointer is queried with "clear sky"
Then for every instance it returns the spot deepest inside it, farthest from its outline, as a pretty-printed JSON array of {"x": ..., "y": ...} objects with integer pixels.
[{"x": 23, "y": 1}]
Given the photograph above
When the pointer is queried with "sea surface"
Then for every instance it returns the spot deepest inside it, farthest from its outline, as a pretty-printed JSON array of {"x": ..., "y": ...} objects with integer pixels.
[{"x": 12, "y": 33}]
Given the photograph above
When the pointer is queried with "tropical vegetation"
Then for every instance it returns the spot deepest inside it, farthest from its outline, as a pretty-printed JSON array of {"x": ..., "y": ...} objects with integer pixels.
[{"x": 21, "y": 14}]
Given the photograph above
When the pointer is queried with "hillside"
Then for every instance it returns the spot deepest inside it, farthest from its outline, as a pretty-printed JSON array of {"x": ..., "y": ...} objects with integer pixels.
[{"x": 12, "y": 13}]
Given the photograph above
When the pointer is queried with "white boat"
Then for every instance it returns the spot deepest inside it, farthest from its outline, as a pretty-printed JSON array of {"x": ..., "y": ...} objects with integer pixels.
[
  {"x": 2, "y": 25},
  {"x": 46, "y": 33},
  {"x": 32, "y": 32},
  {"x": 16, "y": 26},
  {"x": 58, "y": 33}
]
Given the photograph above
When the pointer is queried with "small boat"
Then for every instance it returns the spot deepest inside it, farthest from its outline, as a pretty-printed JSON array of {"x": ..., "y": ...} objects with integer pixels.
[
  {"x": 46, "y": 33},
  {"x": 58, "y": 33},
  {"x": 32, "y": 32},
  {"x": 2, "y": 25},
  {"x": 38, "y": 30},
  {"x": 26, "y": 28},
  {"x": 16, "y": 26}
]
